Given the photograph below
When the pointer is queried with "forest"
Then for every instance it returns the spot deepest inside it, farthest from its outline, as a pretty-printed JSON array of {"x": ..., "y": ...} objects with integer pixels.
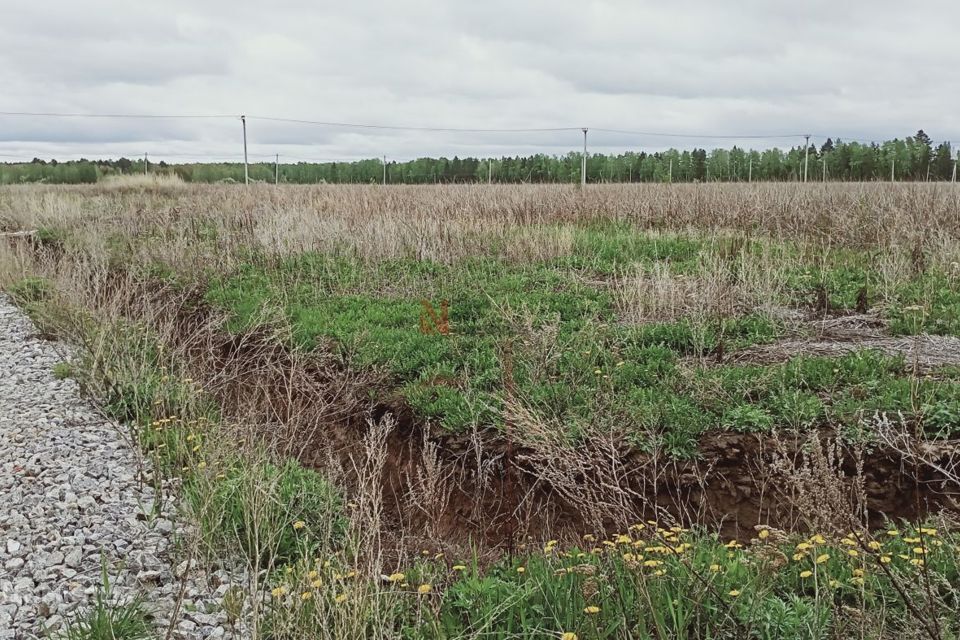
[{"x": 914, "y": 158}]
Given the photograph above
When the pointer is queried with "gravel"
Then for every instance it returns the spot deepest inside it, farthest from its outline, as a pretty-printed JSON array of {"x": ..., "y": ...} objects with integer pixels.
[{"x": 74, "y": 500}]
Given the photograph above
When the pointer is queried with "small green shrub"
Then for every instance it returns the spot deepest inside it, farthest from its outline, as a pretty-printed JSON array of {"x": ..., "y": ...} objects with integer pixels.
[
  {"x": 30, "y": 290},
  {"x": 276, "y": 514}
]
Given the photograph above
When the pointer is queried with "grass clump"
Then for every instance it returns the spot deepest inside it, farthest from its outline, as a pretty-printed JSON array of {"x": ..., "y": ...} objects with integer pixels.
[{"x": 109, "y": 619}]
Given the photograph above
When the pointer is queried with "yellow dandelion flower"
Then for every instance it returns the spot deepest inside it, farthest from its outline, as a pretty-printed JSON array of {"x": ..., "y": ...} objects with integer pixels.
[
  {"x": 659, "y": 572},
  {"x": 589, "y": 537},
  {"x": 591, "y": 610},
  {"x": 521, "y": 569},
  {"x": 316, "y": 584},
  {"x": 764, "y": 534},
  {"x": 278, "y": 592},
  {"x": 893, "y": 533},
  {"x": 857, "y": 580},
  {"x": 715, "y": 568},
  {"x": 341, "y": 598},
  {"x": 628, "y": 557},
  {"x": 202, "y": 465},
  {"x": 639, "y": 544},
  {"x": 306, "y": 595},
  {"x": 874, "y": 545},
  {"x": 823, "y": 557},
  {"x": 834, "y": 584},
  {"x": 637, "y": 527},
  {"x": 733, "y": 593},
  {"x": 312, "y": 574},
  {"x": 917, "y": 562},
  {"x": 733, "y": 544},
  {"x": 350, "y": 574},
  {"x": 928, "y": 532},
  {"x": 919, "y": 551},
  {"x": 396, "y": 577},
  {"x": 818, "y": 539},
  {"x": 424, "y": 589},
  {"x": 849, "y": 542},
  {"x": 652, "y": 563},
  {"x": 624, "y": 539},
  {"x": 806, "y": 574},
  {"x": 569, "y": 635},
  {"x": 911, "y": 540},
  {"x": 299, "y": 524},
  {"x": 799, "y": 556},
  {"x": 885, "y": 559},
  {"x": 853, "y": 553},
  {"x": 804, "y": 546},
  {"x": 858, "y": 573},
  {"x": 459, "y": 567}
]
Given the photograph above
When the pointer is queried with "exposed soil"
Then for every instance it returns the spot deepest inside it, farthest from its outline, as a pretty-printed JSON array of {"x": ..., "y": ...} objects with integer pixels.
[{"x": 483, "y": 491}]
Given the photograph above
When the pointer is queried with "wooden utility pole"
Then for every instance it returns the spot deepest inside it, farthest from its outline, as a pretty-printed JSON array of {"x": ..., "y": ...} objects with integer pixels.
[
  {"x": 750, "y": 171},
  {"x": 276, "y": 174},
  {"x": 670, "y": 174},
  {"x": 489, "y": 170},
  {"x": 583, "y": 162},
  {"x": 824, "y": 167},
  {"x": 146, "y": 164},
  {"x": 384, "y": 170},
  {"x": 954, "y": 178},
  {"x": 246, "y": 166},
  {"x": 893, "y": 163},
  {"x": 806, "y": 156}
]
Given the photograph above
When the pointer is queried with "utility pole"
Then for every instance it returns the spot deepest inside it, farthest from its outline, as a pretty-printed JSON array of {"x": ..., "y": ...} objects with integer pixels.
[
  {"x": 670, "y": 173},
  {"x": 824, "y": 167},
  {"x": 954, "y": 178},
  {"x": 146, "y": 164},
  {"x": 893, "y": 163},
  {"x": 246, "y": 166},
  {"x": 276, "y": 175},
  {"x": 750, "y": 171},
  {"x": 583, "y": 162},
  {"x": 384, "y": 170},
  {"x": 489, "y": 170},
  {"x": 806, "y": 156}
]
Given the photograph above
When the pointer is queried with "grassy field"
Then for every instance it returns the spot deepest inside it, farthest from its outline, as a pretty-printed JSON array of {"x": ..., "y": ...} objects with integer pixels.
[{"x": 526, "y": 411}]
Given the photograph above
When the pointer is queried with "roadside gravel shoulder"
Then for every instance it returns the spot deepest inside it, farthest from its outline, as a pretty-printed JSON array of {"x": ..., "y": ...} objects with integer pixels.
[{"x": 73, "y": 501}]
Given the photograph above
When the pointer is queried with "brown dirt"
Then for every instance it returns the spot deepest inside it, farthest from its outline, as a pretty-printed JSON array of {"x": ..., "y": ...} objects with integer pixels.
[{"x": 492, "y": 495}]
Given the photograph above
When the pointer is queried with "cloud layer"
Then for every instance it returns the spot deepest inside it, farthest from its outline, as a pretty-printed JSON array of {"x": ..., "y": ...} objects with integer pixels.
[{"x": 857, "y": 69}]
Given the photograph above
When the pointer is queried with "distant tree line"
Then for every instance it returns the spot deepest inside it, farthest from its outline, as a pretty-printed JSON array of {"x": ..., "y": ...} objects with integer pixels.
[{"x": 915, "y": 158}]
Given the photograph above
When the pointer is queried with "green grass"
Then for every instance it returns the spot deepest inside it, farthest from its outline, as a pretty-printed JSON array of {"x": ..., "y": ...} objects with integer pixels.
[{"x": 572, "y": 359}]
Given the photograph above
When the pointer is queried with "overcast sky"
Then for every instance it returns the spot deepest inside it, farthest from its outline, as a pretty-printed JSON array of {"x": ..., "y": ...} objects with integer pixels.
[{"x": 870, "y": 69}]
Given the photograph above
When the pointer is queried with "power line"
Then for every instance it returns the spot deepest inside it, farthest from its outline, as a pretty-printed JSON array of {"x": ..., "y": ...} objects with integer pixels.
[
  {"x": 656, "y": 134},
  {"x": 112, "y": 115},
  {"x": 354, "y": 125}
]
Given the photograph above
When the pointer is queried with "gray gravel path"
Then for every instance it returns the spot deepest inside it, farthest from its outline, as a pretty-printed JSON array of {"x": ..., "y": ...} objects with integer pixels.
[{"x": 72, "y": 501}]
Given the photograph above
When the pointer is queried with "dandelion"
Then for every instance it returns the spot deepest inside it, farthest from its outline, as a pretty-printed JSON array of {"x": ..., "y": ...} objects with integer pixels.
[
  {"x": 804, "y": 546},
  {"x": 928, "y": 532},
  {"x": 917, "y": 562},
  {"x": 459, "y": 567},
  {"x": 278, "y": 592},
  {"x": 911, "y": 540},
  {"x": 591, "y": 610},
  {"x": 885, "y": 559},
  {"x": 341, "y": 598},
  {"x": 823, "y": 557},
  {"x": 624, "y": 539},
  {"x": 733, "y": 544},
  {"x": 396, "y": 577},
  {"x": 569, "y": 635},
  {"x": 597, "y": 371},
  {"x": 350, "y": 574},
  {"x": 424, "y": 589},
  {"x": 834, "y": 584},
  {"x": 715, "y": 568},
  {"x": 806, "y": 574},
  {"x": 589, "y": 537},
  {"x": 316, "y": 584},
  {"x": 874, "y": 545},
  {"x": 853, "y": 553},
  {"x": 857, "y": 580},
  {"x": 659, "y": 572},
  {"x": 893, "y": 533},
  {"x": 733, "y": 593},
  {"x": 628, "y": 557},
  {"x": 818, "y": 539},
  {"x": 764, "y": 534},
  {"x": 202, "y": 465},
  {"x": 637, "y": 527},
  {"x": 299, "y": 524},
  {"x": 799, "y": 556},
  {"x": 919, "y": 551},
  {"x": 312, "y": 574},
  {"x": 652, "y": 563},
  {"x": 858, "y": 573},
  {"x": 849, "y": 542},
  {"x": 521, "y": 569},
  {"x": 306, "y": 595}
]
